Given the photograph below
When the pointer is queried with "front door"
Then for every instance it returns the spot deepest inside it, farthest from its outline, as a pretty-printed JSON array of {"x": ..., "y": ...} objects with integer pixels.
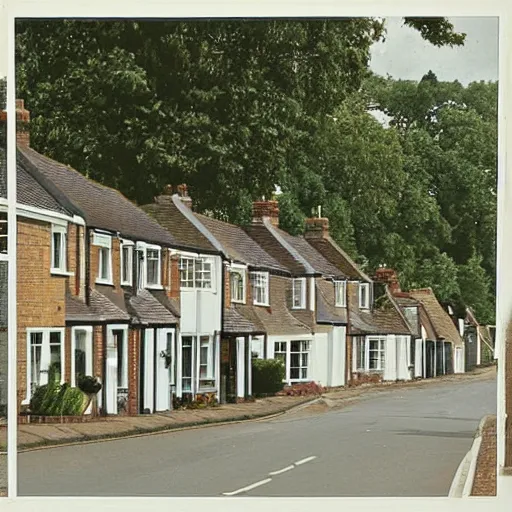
[
  {"x": 81, "y": 358},
  {"x": 164, "y": 368},
  {"x": 148, "y": 370},
  {"x": 117, "y": 369}
]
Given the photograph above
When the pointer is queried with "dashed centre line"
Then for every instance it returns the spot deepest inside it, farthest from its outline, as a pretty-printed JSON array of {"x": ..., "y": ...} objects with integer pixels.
[{"x": 272, "y": 473}]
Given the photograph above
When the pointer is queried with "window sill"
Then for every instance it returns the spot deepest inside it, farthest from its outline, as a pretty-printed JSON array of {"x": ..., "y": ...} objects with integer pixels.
[
  {"x": 126, "y": 283},
  {"x": 105, "y": 282},
  {"x": 341, "y": 305},
  {"x": 238, "y": 301},
  {"x": 261, "y": 304},
  {"x": 154, "y": 287},
  {"x": 298, "y": 308},
  {"x": 59, "y": 272}
]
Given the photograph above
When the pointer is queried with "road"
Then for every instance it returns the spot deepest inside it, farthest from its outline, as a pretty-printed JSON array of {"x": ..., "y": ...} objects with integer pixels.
[{"x": 405, "y": 442}]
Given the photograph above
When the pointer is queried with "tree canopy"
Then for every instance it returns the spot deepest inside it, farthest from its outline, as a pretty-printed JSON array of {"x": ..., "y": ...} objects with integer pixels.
[{"x": 235, "y": 107}]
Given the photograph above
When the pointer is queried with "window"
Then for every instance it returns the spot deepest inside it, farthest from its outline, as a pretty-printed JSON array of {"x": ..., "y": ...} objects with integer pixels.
[
  {"x": 237, "y": 285},
  {"x": 360, "y": 354},
  {"x": 376, "y": 354},
  {"x": 196, "y": 272},
  {"x": 122, "y": 357},
  {"x": 126, "y": 262},
  {"x": 104, "y": 243},
  {"x": 295, "y": 356},
  {"x": 58, "y": 248},
  {"x": 3, "y": 233},
  {"x": 186, "y": 361},
  {"x": 260, "y": 288},
  {"x": 206, "y": 363},
  {"x": 153, "y": 267},
  {"x": 299, "y": 359},
  {"x": 340, "y": 293},
  {"x": 46, "y": 352},
  {"x": 364, "y": 295},
  {"x": 280, "y": 351},
  {"x": 299, "y": 293}
]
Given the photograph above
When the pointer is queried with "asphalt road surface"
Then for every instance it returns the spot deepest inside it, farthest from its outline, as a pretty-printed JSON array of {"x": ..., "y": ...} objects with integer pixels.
[{"x": 405, "y": 442}]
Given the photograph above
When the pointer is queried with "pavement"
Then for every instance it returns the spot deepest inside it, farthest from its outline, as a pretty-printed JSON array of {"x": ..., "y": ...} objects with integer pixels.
[
  {"x": 484, "y": 483},
  {"x": 396, "y": 440}
]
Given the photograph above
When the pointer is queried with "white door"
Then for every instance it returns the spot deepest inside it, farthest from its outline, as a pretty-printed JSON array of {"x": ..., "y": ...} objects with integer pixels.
[
  {"x": 111, "y": 378},
  {"x": 149, "y": 369},
  {"x": 81, "y": 355},
  {"x": 165, "y": 364},
  {"x": 117, "y": 365},
  {"x": 240, "y": 367}
]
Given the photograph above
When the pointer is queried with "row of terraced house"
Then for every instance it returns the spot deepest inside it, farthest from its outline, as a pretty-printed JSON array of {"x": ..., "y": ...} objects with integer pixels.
[{"x": 161, "y": 303}]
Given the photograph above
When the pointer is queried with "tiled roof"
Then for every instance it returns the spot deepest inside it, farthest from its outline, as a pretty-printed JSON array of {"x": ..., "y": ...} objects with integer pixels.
[
  {"x": 326, "y": 311},
  {"x": 173, "y": 305},
  {"x": 239, "y": 245},
  {"x": 101, "y": 206},
  {"x": 277, "y": 319},
  {"x": 147, "y": 309},
  {"x": 186, "y": 235},
  {"x": 441, "y": 321},
  {"x": 338, "y": 257},
  {"x": 101, "y": 309},
  {"x": 236, "y": 322}
]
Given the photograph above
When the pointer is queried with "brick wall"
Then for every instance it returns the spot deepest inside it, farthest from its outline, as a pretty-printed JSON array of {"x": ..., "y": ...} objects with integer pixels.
[
  {"x": 134, "y": 336},
  {"x": 227, "y": 286},
  {"x": 41, "y": 296}
]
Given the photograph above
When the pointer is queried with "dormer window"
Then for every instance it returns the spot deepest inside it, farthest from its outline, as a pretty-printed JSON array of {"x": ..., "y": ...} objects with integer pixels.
[
  {"x": 364, "y": 295},
  {"x": 126, "y": 262},
  {"x": 59, "y": 248},
  {"x": 340, "y": 293},
  {"x": 238, "y": 286},
  {"x": 260, "y": 285},
  {"x": 299, "y": 293}
]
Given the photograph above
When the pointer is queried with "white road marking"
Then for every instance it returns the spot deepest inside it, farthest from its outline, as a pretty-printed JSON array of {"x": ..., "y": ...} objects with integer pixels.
[
  {"x": 287, "y": 468},
  {"x": 303, "y": 461},
  {"x": 248, "y": 488}
]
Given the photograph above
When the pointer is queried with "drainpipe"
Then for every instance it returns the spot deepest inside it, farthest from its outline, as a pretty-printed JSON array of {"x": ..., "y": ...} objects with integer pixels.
[
  {"x": 223, "y": 265},
  {"x": 87, "y": 245},
  {"x": 155, "y": 363}
]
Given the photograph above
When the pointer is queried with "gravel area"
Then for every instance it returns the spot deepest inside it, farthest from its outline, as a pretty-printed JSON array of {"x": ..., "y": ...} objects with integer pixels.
[{"x": 485, "y": 476}]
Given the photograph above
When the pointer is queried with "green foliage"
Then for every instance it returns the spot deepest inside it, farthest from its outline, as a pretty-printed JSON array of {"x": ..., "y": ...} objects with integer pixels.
[
  {"x": 267, "y": 376},
  {"x": 54, "y": 399}
]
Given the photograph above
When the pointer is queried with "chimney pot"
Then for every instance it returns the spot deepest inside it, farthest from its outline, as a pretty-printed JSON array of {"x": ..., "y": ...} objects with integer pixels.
[
  {"x": 182, "y": 191},
  {"x": 389, "y": 277}
]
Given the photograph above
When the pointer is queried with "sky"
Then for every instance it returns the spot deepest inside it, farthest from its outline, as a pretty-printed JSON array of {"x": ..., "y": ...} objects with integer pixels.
[{"x": 406, "y": 55}]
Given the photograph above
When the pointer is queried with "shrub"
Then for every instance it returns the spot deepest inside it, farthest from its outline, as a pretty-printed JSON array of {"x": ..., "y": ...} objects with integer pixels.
[
  {"x": 302, "y": 389},
  {"x": 267, "y": 376},
  {"x": 89, "y": 385}
]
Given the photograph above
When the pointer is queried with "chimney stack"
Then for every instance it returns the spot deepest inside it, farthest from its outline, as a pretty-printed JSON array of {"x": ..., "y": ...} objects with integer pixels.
[
  {"x": 22, "y": 123},
  {"x": 265, "y": 210},
  {"x": 389, "y": 277},
  {"x": 182, "y": 191},
  {"x": 317, "y": 228}
]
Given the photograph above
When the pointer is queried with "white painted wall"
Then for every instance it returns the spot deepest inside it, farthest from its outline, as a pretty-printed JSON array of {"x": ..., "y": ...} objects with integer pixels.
[
  {"x": 337, "y": 354},
  {"x": 390, "y": 354},
  {"x": 319, "y": 355},
  {"x": 402, "y": 358},
  {"x": 418, "y": 358},
  {"x": 240, "y": 367}
]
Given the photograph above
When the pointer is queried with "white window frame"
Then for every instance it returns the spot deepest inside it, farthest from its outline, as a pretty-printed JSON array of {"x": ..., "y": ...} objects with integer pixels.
[
  {"x": 127, "y": 244},
  {"x": 299, "y": 294},
  {"x": 110, "y": 340},
  {"x": 4, "y": 222},
  {"x": 242, "y": 271},
  {"x": 381, "y": 350},
  {"x": 104, "y": 242},
  {"x": 45, "y": 356},
  {"x": 158, "y": 284},
  {"x": 364, "y": 286},
  {"x": 88, "y": 356},
  {"x": 61, "y": 268},
  {"x": 340, "y": 291},
  {"x": 193, "y": 283},
  {"x": 286, "y": 344},
  {"x": 208, "y": 341},
  {"x": 264, "y": 285}
]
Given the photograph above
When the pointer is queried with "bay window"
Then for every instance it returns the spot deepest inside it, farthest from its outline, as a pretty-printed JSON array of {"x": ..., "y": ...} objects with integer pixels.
[
  {"x": 260, "y": 285},
  {"x": 295, "y": 356},
  {"x": 196, "y": 272},
  {"x": 197, "y": 363},
  {"x": 45, "y": 349},
  {"x": 299, "y": 293},
  {"x": 369, "y": 354}
]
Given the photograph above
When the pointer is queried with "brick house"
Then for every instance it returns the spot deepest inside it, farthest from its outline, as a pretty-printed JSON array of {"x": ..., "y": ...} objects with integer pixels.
[
  {"x": 378, "y": 336},
  {"x": 98, "y": 292},
  {"x": 439, "y": 347},
  {"x": 317, "y": 298}
]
